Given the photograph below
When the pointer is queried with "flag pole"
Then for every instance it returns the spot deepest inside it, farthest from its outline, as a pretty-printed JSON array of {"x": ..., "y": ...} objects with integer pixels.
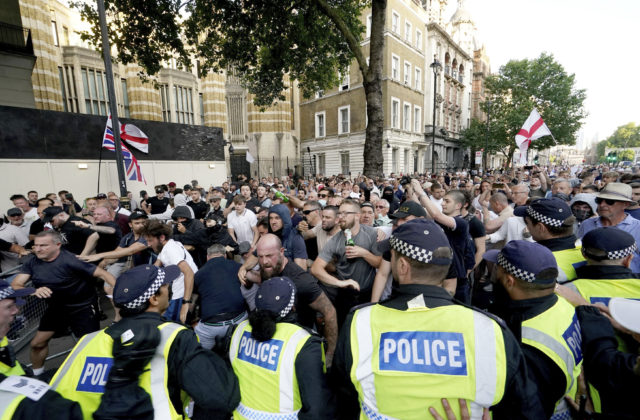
[
  {"x": 99, "y": 167},
  {"x": 106, "y": 53}
]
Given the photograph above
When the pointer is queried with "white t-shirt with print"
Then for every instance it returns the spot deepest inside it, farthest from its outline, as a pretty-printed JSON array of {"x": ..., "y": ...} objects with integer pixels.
[{"x": 173, "y": 253}]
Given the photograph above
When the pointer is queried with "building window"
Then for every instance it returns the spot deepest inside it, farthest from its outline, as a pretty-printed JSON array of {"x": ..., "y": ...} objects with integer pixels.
[
  {"x": 418, "y": 40},
  {"x": 418, "y": 78},
  {"x": 407, "y": 73},
  {"x": 344, "y": 80},
  {"x": 71, "y": 93},
  {"x": 125, "y": 98},
  {"x": 407, "y": 32},
  {"x": 166, "y": 109},
  {"x": 62, "y": 88},
  {"x": 65, "y": 35},
  {"x": 319, "y": 94},
  {"x": 368, "y": 26},
  {"x": 201, "y": 102},
  {"x": 344, "y": 163},
  {"x": 54, "y": 33},
  {"x": 394, "y": 160},
  {"x": 395, "y": 111},
  {"x": 184, "y": 104},
  {"x": 320, "y": 123},
  {"x": 406, "y": 161},
  {"x": 406, "y": 115},
  {"x": 395, "y": 67},
  {"x": 343, "y": 119},
  {"x": 395, "y": 22},
  {"x": 321, "y": 164},
  {"x": 93, "y": 81},
  {"x": 417, "y": 114}
]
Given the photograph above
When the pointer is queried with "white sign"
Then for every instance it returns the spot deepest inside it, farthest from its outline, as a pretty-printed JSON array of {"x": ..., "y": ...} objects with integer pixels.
[
  {"x": 478, "y": 157},
  {"x": 29, "y": 387}
]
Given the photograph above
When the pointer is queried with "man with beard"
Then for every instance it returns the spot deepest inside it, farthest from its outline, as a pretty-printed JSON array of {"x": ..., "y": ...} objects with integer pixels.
[
  {"x": 326, "y": 229},
  {"x": 355, "y": 264},
  {"x": 312, "y": 217},
  {"x": 310, "y": 297}
]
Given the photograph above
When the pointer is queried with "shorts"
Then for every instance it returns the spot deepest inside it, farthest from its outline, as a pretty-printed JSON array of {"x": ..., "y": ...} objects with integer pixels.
[{"x": 80, "y": 319}]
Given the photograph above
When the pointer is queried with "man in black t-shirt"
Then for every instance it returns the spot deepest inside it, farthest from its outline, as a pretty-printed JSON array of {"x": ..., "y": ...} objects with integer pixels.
[
  {"x": 310, "y": 297},
  {"x": 457, "y": 230},
  {"x": 157, "y": 204},
  {"x": 68, "y": 285},
  {"x": 78, "y": 235},
  {"x": 199, "y": 207}
]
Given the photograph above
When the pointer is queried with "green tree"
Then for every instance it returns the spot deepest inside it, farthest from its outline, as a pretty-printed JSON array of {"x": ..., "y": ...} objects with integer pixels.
[
  {"x": 267, "y": 42},
  {"x": 627, "y": 135},
  {"x": 520, "y": 86}
]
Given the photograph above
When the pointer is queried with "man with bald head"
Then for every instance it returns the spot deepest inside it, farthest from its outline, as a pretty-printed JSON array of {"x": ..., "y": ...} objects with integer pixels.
[{"x": 310, "y": 297}]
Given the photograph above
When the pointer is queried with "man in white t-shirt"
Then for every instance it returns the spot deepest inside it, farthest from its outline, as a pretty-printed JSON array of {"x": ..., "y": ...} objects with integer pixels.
[
  {"x": 170, "y": 252},
  {"x": 242, "y": 222}
]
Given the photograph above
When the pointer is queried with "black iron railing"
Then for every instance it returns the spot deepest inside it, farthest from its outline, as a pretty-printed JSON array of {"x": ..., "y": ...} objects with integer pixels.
[{"x": 15, "y": 38}]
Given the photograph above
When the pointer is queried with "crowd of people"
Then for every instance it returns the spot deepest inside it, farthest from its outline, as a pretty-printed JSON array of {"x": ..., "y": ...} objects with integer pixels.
[{"x": 512, "y": 293}]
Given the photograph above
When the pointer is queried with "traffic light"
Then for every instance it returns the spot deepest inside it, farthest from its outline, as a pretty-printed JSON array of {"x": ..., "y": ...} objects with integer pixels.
[{"x": 612, "y": 157}]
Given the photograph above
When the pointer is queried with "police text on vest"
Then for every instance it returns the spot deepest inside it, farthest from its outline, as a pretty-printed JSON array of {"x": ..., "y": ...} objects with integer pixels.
[
  {"x": 264, "y": 354},
  {"x": 95, "y": 373},
  {"x": 423, "y": 352}
]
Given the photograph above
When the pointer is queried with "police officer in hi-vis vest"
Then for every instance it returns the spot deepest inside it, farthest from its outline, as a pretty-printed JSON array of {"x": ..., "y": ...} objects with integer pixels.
[
  {"x": 400, "y": 357},
  {"x": 546, "y": 325},
  {"x": 280, "y": 365},
  {"x": 144, "y": 366},
  {"x": 21, "y": 397},
  {"x": 608, "y": 251},
  {"x": 550, "y": 222}
]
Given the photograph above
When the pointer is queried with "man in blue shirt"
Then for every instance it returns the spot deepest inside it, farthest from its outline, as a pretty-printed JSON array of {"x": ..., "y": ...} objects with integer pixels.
[
  {"x": 221, "y": 302},
  {"x": 612, "y": 201}
]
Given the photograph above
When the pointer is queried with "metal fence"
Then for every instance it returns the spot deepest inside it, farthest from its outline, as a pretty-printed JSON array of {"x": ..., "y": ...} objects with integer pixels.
[{"x": 24, "y": 327}]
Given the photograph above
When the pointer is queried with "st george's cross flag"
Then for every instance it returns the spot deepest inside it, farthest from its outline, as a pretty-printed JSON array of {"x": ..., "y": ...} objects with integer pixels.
[
  {"x": 131, "y": 166},
  {"x": 134, "y": 137},
  {"x": 533, "y": 129}
]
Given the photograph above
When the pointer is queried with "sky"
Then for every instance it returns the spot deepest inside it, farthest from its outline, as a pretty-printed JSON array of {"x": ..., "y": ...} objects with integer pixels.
[{"x": 595, "y": 40}]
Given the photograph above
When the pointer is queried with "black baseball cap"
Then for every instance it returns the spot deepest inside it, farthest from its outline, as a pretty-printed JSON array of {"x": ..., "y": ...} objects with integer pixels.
[
  {"x": 50, "y": 212},
  {"x": 409, "y": 208}
]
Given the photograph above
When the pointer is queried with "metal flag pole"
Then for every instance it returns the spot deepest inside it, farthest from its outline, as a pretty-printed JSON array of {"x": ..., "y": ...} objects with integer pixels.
[{"x": 115, "y": 125}]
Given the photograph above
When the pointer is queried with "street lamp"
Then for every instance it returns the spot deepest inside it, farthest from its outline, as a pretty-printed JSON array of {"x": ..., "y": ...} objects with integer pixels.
[
  {"x": 228, "y": 142},
  {"x": 436, "y": 67},
  {"x": 486, "y": 137}
]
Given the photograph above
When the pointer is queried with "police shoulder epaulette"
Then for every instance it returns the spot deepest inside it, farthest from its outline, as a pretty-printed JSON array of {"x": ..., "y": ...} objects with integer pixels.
[
  {"x": 362, "y": 305},
  {"x": 496, "y": 318}
]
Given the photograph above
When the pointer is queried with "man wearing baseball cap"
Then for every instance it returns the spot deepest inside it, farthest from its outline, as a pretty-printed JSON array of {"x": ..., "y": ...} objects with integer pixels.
[
  {"x": 614, "y": 375},
  {"x": 550, "y": 222},
  {"x": 612, "y": 201},
  {"x": 397, "y": 348},
  {"x": 546, "y": 325},
  {"x": 15, "y": 403},
  {"x": 609, "y": 253},
  {"x": 142, "y": 363}
]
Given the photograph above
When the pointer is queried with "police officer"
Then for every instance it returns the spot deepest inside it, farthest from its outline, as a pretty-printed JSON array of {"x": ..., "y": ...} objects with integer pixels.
[
  {"x": 280, "y": 365},
  {"x": 545, "y": 325},
  {"x": 608, "y": 251},
  {"x": 15, "y": 403},
  {"x": 405, "y": 354},
  {"x": 550, "y": 222},
  {"x": 615, "y": 374},
  {"x": 144, "y": 350}
]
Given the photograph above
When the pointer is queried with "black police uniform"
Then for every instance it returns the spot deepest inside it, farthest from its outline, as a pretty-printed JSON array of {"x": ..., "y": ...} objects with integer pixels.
[{"x": 609, "y": 370}]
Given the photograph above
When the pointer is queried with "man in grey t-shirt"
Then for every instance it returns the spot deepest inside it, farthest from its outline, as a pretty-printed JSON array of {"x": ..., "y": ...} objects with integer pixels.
[{"x": 355, "y": 266}]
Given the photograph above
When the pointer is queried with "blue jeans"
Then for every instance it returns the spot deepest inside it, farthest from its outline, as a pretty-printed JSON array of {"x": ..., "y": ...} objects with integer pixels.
[{"x": 173, "y": 311}]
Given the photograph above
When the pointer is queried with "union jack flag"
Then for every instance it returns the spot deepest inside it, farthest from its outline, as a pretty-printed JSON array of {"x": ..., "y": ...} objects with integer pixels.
[{"x": 132, "y": 168}]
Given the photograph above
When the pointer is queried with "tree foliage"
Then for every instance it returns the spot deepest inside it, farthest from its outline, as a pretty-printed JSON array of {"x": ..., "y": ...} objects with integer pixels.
[
  {"x": 520, "y": 86},
  {"x": 266, "y": 42},
  {"x": 627, "y": 135}
]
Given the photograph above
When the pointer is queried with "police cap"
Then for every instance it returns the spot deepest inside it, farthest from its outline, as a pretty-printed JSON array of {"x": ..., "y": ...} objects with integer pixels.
[
  {"x": 277, "y": 295},
  {"x": 608, "y": 243},
  {"x": 135, "y": 286},
  {"x": 548, "y": 211},
  {"x": 418, "y": 239},
  {"x": 527, "y": 261}
]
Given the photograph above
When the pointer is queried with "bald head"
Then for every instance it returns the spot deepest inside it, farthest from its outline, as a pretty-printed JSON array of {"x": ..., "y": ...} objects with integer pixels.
[{"x": 269, "y": 241}]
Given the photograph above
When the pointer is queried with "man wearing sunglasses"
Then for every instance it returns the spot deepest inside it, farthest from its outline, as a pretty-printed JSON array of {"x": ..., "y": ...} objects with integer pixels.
[{"x": 612, "y": 201}]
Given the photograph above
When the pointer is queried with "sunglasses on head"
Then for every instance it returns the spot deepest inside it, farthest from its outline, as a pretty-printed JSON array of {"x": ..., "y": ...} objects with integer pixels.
[{"x": 606, "y": 200}]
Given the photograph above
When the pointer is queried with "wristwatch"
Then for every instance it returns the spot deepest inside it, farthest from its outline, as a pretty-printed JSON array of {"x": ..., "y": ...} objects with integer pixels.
[{"x": 187, "y": 301}]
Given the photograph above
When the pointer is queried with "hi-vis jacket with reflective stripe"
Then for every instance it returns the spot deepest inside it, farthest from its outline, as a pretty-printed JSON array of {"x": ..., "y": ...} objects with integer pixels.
[
  {"x": 84, "y": 373},
  {"x": 405, "y": 361},
  {"x": 9, "y": 402},
  {"x": 602, "y": 290},
  {"x": 568, "y": 260},
  {"x": 266, "y": 372},
  {"x": 5, "y": 369},
  {"x": 556, "y": 333}
]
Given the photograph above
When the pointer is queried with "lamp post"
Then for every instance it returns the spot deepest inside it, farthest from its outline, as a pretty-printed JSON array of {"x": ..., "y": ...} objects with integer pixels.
[
  {"x": 436, "y": 67},
  {"x": 486, "y": 137}
]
